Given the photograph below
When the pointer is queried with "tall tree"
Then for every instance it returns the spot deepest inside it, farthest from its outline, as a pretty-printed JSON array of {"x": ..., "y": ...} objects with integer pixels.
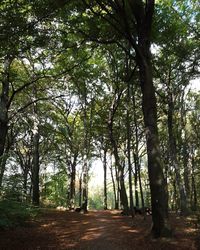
[{"x": 132, "y": 21}]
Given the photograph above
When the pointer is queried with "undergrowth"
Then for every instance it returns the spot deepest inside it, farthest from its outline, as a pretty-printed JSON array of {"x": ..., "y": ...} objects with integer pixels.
[{"x": 13, "y": 213}]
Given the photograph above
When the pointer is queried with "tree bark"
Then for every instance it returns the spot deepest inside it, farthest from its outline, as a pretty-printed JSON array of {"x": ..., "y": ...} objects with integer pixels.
[
  {"x": 80, "y": 191},
  {"x": 140, "y": 185},
  {"x": 36, "y": 164},
  {"x": 4, "y": 105},
  {"x": 114, "y": 188},
  {"x": 85, "y": 160},
  {"x": 105, "y": 178},
  {"x": 129, "y": 152},
  {"x": 144, "y": 17},
  {"x": 136, "y": 156},
  {"x": 173, "y": 156},
  {"x": 194, "y": 189},
  {"x": 3, "y": 160},
  {"x": 35, "y": 171},
  {"x": 72, "y": 185},
  {"x": 122, "y": 190}
]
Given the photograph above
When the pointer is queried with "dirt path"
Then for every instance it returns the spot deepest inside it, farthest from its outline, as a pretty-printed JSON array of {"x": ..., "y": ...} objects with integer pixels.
[{"x": 97, "y": 230}]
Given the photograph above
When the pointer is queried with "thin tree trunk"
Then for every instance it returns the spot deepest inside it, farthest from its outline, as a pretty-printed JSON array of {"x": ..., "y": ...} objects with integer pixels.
[
  {"x": 183, "y": 141},
  {"x": 140, "y": 184},
  {"x": 118, "y": 187},
  {"x": 186, "y": 172},
  {"x": 122, "y": 190},
  {"x": 194, "y": 190},
  {"x": 136, "y": 152},
  {"x": 80, "y": 191},
  {"x": 129, "y": 152},
  {"x": 136, "y": 159},
  {"x": 173, "y": 155},
  {"x": 105, "y": 179},
  {"x": 4, "y": 105},
  {"x": 85, "y": 187},
  {"x": 3, "y": 160},
  {"x": 25, "y": 180},
  {"x": 174, "y": 196},
  {"x": 114, "y": 188},
  {"x": 123, "y": 194},
  {"x": 35, "y": 170},
  {"x": 36, "y": 164},
  {"x": 85, "y": 163},
  {"x": 72, "y": 185}
]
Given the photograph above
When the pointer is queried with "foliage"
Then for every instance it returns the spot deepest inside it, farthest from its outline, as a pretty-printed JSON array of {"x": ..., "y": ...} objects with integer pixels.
[{"x": 14, "y": 213}]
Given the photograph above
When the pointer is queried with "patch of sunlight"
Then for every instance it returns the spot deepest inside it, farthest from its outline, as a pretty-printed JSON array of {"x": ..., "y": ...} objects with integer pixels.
[
  {"x": 190, "y": 230},
  {"x": 70, "y": 245},
  {"x": 61, "y": 208},
  {"x": 103, "y": 220},
  {"x": 94, "y": 229},
  {"x": 125, "y": 227},
  {"x": 48, "y": 225},
  {"x": 114, "y": 211},
  {"x": 133, "y": 231},
  {"x": 85, "y": 222},
  {"x": 91, "y": 236}
]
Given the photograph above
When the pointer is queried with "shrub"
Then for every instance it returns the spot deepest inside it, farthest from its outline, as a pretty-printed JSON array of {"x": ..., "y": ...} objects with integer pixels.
[{"x": 13, "y": 213}]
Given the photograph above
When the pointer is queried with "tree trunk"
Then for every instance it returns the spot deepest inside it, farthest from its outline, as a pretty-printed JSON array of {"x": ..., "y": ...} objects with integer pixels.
[
  {"x": 136, "y": 155},
  {"x": 194, "y": 190},
  {"x": 114, "y": 188},
  {"x": 120, "y": 169},
  {"x": 4, "y": 105},
  {"x": 186, "y": 172},
  {"x": 129, "y": 152},
  {"x": 105, "y": 179},
  {"x": 3, "y": 160},
  {"x": 140, "y": 184},
  {"x": 183, "y": 141},
  {"x": 72, "y": 182},
  {"x": 85, "y": 188},
  {"x": 72, "y": 187},
  {"x": 25, "y": 179},
  {"x": 86, "y": 152},
  {"x": 80, "y": 191},
  {"x": 155, "y": 168},
  {"x": 144, "y": 15},
  {"x": 36, "y": 164},
  {"x": 35, "y": 170},
  {"x": 173, "y": 156},
  {"x": 174, "y": 196},
  {"x": 123, "y": 194}
]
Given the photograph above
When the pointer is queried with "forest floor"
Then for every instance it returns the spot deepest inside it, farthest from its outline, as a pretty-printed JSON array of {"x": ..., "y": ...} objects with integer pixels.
[{"x": 97, "y": 230}]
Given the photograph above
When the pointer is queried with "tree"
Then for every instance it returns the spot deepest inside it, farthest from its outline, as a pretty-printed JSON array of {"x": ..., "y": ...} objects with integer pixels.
[{"x": 131, "y": 21}]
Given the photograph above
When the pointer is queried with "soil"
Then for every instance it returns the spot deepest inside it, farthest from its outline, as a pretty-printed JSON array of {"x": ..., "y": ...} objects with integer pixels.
[{"x": 97, "y": 230}]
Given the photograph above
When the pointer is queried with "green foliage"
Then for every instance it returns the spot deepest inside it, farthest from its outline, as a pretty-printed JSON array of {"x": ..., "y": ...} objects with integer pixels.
[
  {"x": 54, "y": 190},
  {"x": 12, "y": 188},
  {"x": 14, "y": 213},
  {"x": 96, "y": 199}
]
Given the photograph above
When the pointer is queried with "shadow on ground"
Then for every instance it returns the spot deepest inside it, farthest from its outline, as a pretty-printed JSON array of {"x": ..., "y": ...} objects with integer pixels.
[{"x": 97, "y": 230}]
